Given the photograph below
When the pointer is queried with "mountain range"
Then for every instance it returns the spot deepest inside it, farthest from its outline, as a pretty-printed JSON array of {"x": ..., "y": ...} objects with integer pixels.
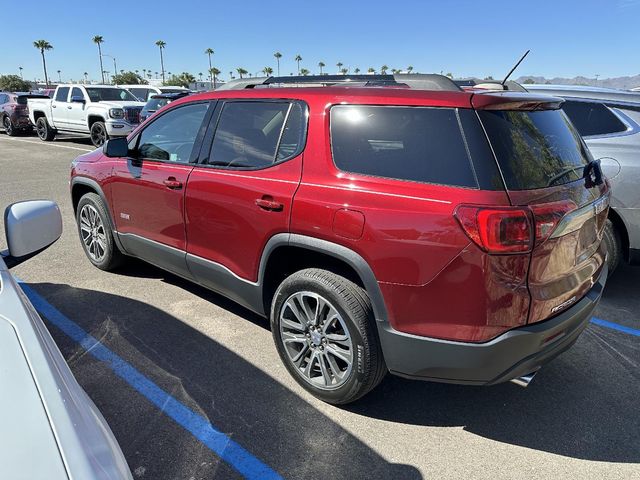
[{"x": 623, "y": 83}]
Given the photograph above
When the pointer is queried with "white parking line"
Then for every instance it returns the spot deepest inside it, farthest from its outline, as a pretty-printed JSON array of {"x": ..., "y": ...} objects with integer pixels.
[{"x": 47, "y": 144}]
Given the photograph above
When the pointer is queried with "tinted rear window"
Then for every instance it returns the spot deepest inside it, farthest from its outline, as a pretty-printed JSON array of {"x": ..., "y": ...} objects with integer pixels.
[
  {"x": 405, "y": 143},
  {"x": 157, "y": 103},
  {"x": 535, "y": 149},
  {"x": 593, "y": 118}
]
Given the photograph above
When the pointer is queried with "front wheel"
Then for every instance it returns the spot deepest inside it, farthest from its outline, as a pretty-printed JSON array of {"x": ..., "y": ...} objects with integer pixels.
[
  {"x": 324, "y": 330},
  {"x": 8, "y": 126},
  {"x": 96, "y": 235},
  {"x": 613, "y": 244},
  {"x": 98, "y": 134},
  {"x": 44, "y": 130}
]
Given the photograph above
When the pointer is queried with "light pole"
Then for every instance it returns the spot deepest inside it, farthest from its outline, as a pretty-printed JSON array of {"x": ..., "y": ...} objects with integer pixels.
[{"x": 115, "y": 67}]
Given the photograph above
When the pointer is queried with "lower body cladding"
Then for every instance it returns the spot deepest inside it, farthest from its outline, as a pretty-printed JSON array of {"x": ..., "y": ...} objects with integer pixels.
[{"x": 515, "y": 355}]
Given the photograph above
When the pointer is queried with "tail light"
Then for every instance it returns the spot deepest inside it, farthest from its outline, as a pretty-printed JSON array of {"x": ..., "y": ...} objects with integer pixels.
[{"x": 503, "y": 230}]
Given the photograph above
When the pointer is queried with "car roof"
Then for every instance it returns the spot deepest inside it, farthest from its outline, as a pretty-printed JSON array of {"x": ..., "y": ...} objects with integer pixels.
[{"x": 587, "y": 92}]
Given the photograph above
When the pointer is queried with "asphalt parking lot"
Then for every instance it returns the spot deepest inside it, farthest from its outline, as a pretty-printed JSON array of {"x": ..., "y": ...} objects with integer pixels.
[{"x": 222, "y": 391}]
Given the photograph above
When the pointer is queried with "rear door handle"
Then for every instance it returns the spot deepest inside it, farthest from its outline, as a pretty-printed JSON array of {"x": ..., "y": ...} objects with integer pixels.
[
  {"x": 172, "y": 183},
  {"x": 267, "y": 203}
]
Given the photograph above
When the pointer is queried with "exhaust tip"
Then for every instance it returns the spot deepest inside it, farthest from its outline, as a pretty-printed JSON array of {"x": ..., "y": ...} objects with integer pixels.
[{"x": 524, "y": 380}]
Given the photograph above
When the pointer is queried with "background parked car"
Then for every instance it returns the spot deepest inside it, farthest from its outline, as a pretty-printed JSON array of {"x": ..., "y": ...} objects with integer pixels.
[
  {"x": 145, "y": 92},
  {"x": 50, "y": 427},
  {"x": 609, "y": 122},
  {"x": 14, "y": 113},
  {"x": 156, "y": 102}
]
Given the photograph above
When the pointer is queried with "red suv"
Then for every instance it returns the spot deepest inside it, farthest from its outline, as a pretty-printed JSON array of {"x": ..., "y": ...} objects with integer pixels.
[{"x": 423, "y": 230}]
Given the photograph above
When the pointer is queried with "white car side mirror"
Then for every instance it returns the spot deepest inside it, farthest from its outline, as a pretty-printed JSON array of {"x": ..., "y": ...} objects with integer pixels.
[{"x": 30, "y": 227}]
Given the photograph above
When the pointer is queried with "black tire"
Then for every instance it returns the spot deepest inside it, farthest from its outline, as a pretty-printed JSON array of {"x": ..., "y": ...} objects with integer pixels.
[
  {"x": 98, "y": 134},
  {"x": 353, "y": 305},
  {"x": 44, "y": 130},
  {"x": 112, "y": 257},
  {"x": 613, "y": 244},
  {"x": 8, "y": 126}
]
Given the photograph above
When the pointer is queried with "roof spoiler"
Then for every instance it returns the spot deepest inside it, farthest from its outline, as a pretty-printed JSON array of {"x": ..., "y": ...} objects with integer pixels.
[
  {"x": 493, "y": 100},
  {"x": 415, "y": 81}
]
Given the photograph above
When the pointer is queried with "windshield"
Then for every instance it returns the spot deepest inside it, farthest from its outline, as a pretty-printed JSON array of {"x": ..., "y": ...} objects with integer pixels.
[
  {"x": 109, "y": 94},
  {"x": 535, "y": 149},
  {"x": 156, "y": 103}
]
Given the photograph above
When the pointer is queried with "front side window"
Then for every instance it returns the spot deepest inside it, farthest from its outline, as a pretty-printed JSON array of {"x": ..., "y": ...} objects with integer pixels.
[
  {"x": 405, "y": 143},
  {"x": 76, "y": 92},
  {"x": 140, "y": 93},
  {"x": 61, "y": 94},
  {"x": 593, "y": 118},
  {"x": 249, "y": 133},
  {"x": 171, "y": 137}
]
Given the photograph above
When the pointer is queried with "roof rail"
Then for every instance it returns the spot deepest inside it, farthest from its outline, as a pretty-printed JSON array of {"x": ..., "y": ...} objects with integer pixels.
[{"x": 416, "y": 81}]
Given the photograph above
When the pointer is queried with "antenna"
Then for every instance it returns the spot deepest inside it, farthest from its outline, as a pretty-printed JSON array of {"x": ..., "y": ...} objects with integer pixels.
[{"x": 514, "y": 67}]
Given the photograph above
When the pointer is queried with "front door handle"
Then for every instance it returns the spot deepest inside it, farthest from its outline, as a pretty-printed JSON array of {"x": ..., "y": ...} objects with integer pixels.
[
  {"x": 69, "y": 107},
  {"x": 268, "y": 203},
  {"x": 172, "y": 183}
]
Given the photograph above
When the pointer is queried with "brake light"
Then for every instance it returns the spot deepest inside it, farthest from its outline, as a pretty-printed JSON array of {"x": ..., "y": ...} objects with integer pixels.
[
  {"x": 497, "y": 230},
  {"x": 548, "y": 215}
]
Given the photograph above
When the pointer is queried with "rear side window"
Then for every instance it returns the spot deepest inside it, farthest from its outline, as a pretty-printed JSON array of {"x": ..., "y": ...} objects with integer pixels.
[
  {"x": 535, "y": 149},
  {"x": 249, "y": 134},
  {"x": 61, "y": 94},
  {"x": 405, "y": 143},
  {"x": 593, "y": 118}
]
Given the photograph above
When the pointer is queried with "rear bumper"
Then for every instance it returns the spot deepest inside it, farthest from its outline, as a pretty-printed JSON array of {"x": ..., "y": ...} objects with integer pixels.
[{"x": 515, "y": 353}]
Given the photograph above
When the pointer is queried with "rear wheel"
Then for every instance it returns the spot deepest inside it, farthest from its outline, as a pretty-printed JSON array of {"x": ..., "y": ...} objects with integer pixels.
[
  {"x": 98, "y": 134},
  {"x": 96, "y": 234},
  {"x": 8, "y": 126},
  {"x": 44, "y": 130},
  {"x": 324, "y": 330},
  {"x": 613, "y": 244}
]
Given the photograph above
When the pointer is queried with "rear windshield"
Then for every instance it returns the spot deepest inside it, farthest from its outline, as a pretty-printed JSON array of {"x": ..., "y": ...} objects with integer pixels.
[
  {"x": 535, "y": 149},
  {"x": 405, "y": 143},
  {"x": 171, "y": 90},
  {"x": 109, "y": 94},
  {"x": 157, "y": 103}
]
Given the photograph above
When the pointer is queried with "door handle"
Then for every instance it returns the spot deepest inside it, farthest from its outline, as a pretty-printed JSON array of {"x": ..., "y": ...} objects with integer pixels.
[
  {"x": 267, "y": 203},
  {"x": 53, "y": 106},
  {"x": 69, "y": 107},
  {"x": 172, "y": 183}
]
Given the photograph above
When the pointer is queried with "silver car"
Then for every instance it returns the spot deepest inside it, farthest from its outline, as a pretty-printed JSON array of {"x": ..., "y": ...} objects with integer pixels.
[
  {"x": 49, "y": 428},
  {"x": 609, "y": 122}
]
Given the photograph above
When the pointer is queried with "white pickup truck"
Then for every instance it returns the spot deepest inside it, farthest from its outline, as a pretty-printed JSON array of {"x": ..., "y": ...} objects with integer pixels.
[{"x": 102, "y": 111}]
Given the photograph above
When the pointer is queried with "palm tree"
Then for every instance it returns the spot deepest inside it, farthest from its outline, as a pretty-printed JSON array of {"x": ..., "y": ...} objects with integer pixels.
[
  {"x": 157, "y": 74},
  {"x": 356, "y": 70},
  {"x": 43, "y": 45},
  {"x": 160, "y": 44},
  {"x": 98, "y": 40},
  {"x": 20, "y": 68},
  {"x": 278, "y": 56},
  {"x": 200, "y": 75},
  {"x": 371, "y": 70},
  {"x": 383, "y": 69},
  {"x": 209, "y": 52},
  {"x": 267, "y": 71},
  {"x": 231, "y": 74},
  {"x": 86, "y": 78},
  {"x": 241, "y": 71},
  {"x": 214, "y": 72},
  {"x": 59, "y": 76},
  {"x": 304, "y": 72},
  {"x": 339, "y": 65},
  {"x": 344, "y": 71},
  {"x": 144, "y": 73},
  {"x": 298, "y": 59},
  {"x": 409, "y": 69},
  {"x": 321, "y": 65}
]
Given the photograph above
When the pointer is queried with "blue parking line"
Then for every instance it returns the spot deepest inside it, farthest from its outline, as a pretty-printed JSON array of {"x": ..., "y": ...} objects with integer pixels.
[
  {"x": 615, "y": 326},
  {"x": 219, "y": 443}
]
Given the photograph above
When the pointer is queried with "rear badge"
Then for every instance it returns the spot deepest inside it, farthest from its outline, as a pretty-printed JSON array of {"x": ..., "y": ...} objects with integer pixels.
[
  {"x": 601, "y": 204},
  {"x": 124, "y": 215},
  {"x": 563, "y": 304}
]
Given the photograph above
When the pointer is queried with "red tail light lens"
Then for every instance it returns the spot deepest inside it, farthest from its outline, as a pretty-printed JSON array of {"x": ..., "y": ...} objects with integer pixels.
[
  {"x": 547, "y": 216},
  {"x": 497, "y": 230}
]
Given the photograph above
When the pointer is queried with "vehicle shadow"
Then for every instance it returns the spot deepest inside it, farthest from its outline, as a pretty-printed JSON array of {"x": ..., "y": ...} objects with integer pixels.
[{"x": 266, "y": 418}]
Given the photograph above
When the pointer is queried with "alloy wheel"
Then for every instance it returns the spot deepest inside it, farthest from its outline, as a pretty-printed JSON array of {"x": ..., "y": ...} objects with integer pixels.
[
  {"x": 98, "y": 135},
  {"x": 316, "y": 340},
  {"x": 93, "y": 234}
]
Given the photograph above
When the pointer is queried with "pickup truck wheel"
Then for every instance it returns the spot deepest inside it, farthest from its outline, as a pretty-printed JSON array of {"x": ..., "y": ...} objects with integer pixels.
[
  {"x": 324, "y": 330},
  {"x": 98, "y": 134},
  {"x": 96, "y": 234},
  {"x": 8, "y": 126},
  {"x": 613, "y": 244},
  {"x": 44, "y": 130}
]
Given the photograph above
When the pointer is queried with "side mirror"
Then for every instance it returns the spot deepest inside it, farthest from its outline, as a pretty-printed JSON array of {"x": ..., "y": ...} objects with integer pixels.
[
  {"x": 30, "y": 228},
  {"x": 116, "y": 147},
  {"x": 77, "y": 99}
]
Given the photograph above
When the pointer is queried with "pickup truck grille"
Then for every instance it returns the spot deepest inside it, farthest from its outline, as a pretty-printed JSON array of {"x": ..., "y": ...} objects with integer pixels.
[{"x": 132, "y": 114}]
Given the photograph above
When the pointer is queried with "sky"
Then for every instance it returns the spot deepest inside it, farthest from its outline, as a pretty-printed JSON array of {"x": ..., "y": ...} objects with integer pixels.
[{"x": 467, "y": 38}]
